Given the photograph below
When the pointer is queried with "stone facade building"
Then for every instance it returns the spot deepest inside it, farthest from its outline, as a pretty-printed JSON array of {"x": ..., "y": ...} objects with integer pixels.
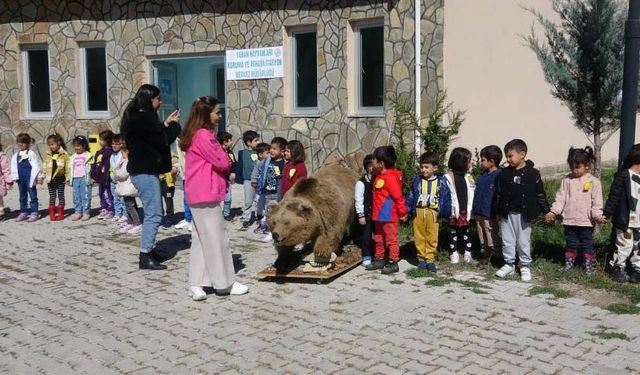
[{"x": 71, "y": 66}]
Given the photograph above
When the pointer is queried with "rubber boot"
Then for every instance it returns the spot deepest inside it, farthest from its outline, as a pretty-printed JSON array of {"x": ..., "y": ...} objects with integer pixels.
[
  {"x": 52, "y": 212},
  {"x": 60, "y": 215}
]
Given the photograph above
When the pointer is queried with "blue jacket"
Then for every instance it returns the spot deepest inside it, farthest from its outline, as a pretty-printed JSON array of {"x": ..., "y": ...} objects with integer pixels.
[
  {"x": 485, "y": 194},
  {"x": 262, "y": 179},
  {"x": 444, "y": 196}
]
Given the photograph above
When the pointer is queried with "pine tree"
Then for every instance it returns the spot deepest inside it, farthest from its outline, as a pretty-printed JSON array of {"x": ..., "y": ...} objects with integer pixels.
[{"x": 582, "y": 59}]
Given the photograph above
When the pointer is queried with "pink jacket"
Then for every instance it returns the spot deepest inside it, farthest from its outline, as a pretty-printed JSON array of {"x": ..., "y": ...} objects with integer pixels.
[
  {"x": 579, "y": 200},
  {"x": 206, "y": 165},
  {"x": 5, "y": 174}
]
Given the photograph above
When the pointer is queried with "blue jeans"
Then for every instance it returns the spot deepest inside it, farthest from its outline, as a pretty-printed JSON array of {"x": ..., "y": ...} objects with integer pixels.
[
  {"x": 118, "y": 202},
  {"x": 579, "y": 240},
  {"x": 226, "y": 209},
  {"x": 187, "y": 210},
  {"x": 81, "y": 195},
  {"x": 30, "y": 192},
  {"x": 148, "y": 186}
]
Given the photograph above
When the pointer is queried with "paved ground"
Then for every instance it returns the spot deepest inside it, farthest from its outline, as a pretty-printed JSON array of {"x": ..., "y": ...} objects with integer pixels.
[{"x": 73, "y": 301}]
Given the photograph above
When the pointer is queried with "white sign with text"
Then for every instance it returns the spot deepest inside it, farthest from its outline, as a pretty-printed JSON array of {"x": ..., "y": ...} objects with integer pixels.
[{"x": 257, "y": 63}]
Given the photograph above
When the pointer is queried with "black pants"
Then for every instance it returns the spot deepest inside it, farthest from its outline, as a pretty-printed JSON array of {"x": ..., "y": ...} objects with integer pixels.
[
  {"x": 367, "y": 239},
  {"x": 132, "y": 210},
  {"x": 56, "y": 187},
  {"x": 167, "y": 194},
  {"x": 459, "y": 239},
  {"x": 579, "y": 239}
]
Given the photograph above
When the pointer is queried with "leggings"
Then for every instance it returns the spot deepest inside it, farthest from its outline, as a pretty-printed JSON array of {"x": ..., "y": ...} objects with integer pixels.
[
  {"x": 459, "y": 239},
  {"x": 132, "y": 210},
  {"x": 56, "y": 186}
]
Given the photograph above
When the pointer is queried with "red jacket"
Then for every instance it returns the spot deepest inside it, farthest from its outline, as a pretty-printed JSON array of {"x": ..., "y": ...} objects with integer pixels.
[
  {"x": 388, "y": 202},
  {"x": 291, "y": 174}
]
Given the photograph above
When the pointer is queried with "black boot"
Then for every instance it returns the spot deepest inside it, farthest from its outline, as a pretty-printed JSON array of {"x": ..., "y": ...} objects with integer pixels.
[{"x": 147, "y": 262}]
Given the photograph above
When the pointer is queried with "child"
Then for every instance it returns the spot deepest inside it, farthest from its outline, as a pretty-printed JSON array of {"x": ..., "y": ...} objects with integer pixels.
[
  {"x": 269, "y": 180},
  {"x": 78, "y": 176},
  {"x": 623, "y": 210},
  {"x": 462, "y": 190},
  {"x": 483, "y": 201},
  {"x": 388, "y": 209},
  {"x": 101, "y": 176},
  {"x": 520, "y": 197},
  {"x": 428, "y": 200},
  {"x": 120, "y": 213},
  {"x": 225, "y": 139},
  {"x": 294, "y": 168},
  {"x": 364, "y": 202},
  {"x": 247, "y": 159},
  {"x": 25, "y": 170},
  {"x": 125, "y": 188},
  {"x": 5, "y": 180},
  {"x": 168, "y": 191},
  {"x": 54, "y": 169},
  {"x": 262, "y": 149},
  {"x": 579, "y": 201}
]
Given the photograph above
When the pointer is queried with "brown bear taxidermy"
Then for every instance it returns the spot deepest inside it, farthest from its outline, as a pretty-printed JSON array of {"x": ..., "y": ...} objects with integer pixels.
[{"x": 317, "y": 210}]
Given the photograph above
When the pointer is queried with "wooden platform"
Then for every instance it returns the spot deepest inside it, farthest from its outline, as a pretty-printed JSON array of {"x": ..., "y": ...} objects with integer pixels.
[{"x": 342, "y": 264}]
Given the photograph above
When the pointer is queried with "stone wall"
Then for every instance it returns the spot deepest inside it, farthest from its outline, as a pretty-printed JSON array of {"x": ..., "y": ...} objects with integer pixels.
[{"x": 134, "y": 31}]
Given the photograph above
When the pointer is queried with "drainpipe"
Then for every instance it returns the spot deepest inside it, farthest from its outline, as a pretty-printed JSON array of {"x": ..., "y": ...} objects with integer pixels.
[{"x": 418, "y": 46}]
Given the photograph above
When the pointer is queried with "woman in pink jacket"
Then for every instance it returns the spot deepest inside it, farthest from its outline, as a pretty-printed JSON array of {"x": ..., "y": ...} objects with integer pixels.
[
  {"x": 206, "y": 165},
  {"x": 579, "y": 201}
]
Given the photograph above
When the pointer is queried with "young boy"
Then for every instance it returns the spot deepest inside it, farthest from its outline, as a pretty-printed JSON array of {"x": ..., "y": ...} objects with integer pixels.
[
  {"x": 623, "y": 210},
  {"x": 428, "y": 200},
  {"x": 269, "y": 178},
  {"x": 364, "y": 202},
  {"x": 262, "y": 149},
  {"x": 120, "y": 213},
  {"x": 168, "y": 191},
  {"x": 247, "y": 159},
  {"x": 520, "y": 197},
  {"x": 483, "y": 200},
  {"x": 388, "y": 209},
  {"x": 226, "y": 139}
]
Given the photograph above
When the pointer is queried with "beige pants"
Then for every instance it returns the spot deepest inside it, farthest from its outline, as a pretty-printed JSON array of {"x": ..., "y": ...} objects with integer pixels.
[
  {"x": 627, "y": 244},
  {"x": 488, "y": 232},
  {"x": 210, "y": 262}
]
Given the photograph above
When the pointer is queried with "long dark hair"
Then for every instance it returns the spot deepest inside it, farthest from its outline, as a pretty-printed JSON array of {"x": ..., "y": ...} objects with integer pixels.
[
  {"x": 58, "y": 139},
  {"x": 199, "y": 118},
  {"x": 296, "y": 149},
  {"x": 141, "y": 102},
  {"x": 584, "y": 156}
]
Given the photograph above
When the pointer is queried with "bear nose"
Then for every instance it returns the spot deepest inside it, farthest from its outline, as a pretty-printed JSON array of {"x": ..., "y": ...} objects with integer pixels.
[{"x": 275, "y": 236}]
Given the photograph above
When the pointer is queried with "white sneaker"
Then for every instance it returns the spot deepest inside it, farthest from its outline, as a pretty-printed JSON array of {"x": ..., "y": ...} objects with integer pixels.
[
  {"x": 455, "y": 257},
  {"x": 505, "y": 270},
  {"x": 366, "y": 262},
  {"x": 268, "y": 238},
  {"x": 467, "y": 257},
  {"x": 190, "y": 227},
  {"x": 183, "y": 224},
  {"x": 525, "y": 274},
  {"x": 197, "y": 294},
  {"x": 238, "y": 289}
]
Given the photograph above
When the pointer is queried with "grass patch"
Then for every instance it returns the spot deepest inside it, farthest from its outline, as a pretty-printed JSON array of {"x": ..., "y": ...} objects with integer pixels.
[
  {"x": 437, "y": 282},
  {"x": 418, "y": 273},
  {"x": 479, "y": 291},
  {"x": 396, "y": 281},
  {"x": 610, "y": 335},
  {"x": 622, "y": 308},
  {"x": 549, "y": 289},
  {"x": 470, "y": 284}
]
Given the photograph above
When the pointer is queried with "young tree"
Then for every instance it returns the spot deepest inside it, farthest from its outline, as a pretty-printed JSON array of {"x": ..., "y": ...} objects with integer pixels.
[{"x": 582, "y": 59}]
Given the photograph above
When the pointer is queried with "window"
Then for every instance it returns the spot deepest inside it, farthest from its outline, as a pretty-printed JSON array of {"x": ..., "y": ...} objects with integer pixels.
[
  {"x": 94, "y": 80},
  {"x": 36, "y": 85},
  {"x": 302, "y": 85},
  {"x": 367, "y": 72}
]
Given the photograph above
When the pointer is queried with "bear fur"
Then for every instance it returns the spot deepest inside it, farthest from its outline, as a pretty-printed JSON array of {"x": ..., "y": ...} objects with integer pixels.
[{"x": 318, "y": 210}]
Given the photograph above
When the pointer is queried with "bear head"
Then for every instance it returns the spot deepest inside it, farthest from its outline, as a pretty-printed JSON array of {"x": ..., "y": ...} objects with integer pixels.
[{"x": 293, "y": 221}]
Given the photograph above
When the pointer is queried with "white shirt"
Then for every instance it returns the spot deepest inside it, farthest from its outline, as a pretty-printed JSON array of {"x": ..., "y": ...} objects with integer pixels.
[{"x": 634, "y": 214}]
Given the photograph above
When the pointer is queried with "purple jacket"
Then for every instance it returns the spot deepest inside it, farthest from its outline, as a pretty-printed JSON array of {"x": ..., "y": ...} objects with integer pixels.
[{"x": 102, "y": 165}]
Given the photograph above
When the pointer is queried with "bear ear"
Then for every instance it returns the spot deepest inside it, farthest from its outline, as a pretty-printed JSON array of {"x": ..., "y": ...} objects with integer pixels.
[
  {"x": 300, "y": 208},
  {"x": 273, "y": 207}
]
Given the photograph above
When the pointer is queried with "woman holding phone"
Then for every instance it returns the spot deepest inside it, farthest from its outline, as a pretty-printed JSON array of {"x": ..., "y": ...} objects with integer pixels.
[{"x": 148, "y": 140}]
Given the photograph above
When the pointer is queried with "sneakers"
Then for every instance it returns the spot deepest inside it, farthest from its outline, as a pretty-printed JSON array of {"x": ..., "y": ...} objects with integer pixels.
[
  {"x": 366, "y": 261},
  {"x": 228, "y": 218},
  {"x": 183, "y": 224},
  {"x": 75, "y": 217},
  {"x": 634, "y": 276},
  {"x": 108, "y": 216},
  {"x": 238, "y": 289},
  {"x": 390, "y": 267},
  {"x": 455, "y": 257},
  {"x": 102, "y": 214},
  {"x": 268, "y": 237},
  {"x": 22, "y": 217},
  {"x": 376, "y": 264},
  {"x": 525, "y": 274},
  {"x": 588, "y": 267},
  {"x": 617, "y": 274},
  {"x": 467, "y": 257},
  {"x": 197, "y": 293},
  {"x": 33, "y": 217},
  {"x": 85, "y": 217},
  {"x": 431, "y": 267},
  {"x": 123, "y": 219},
  {"x": 262, "y": 228},
  {"x": 569, "y": 263},
  {"x": 135, "y": 229},
  {"x": 246, "y": 225},
  {"x": 167, "y": 223},
  {"x": 506, "y": 270}
]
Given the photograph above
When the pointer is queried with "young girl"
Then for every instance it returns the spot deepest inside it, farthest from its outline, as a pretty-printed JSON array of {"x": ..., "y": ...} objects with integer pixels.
[
  {"x": 78, "y": 176},
  {"x": 579, "y": 201},
  {"x": 125, "y": 188},
  {"x": 100, "y": 175},
  {"x": 294, "y": 169},
  {"x": 54, "y": 169},
  {"x": 5, "y": 180},
  {"x": 462, "y": 188},
  {"x": 25, "y": 170}
]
